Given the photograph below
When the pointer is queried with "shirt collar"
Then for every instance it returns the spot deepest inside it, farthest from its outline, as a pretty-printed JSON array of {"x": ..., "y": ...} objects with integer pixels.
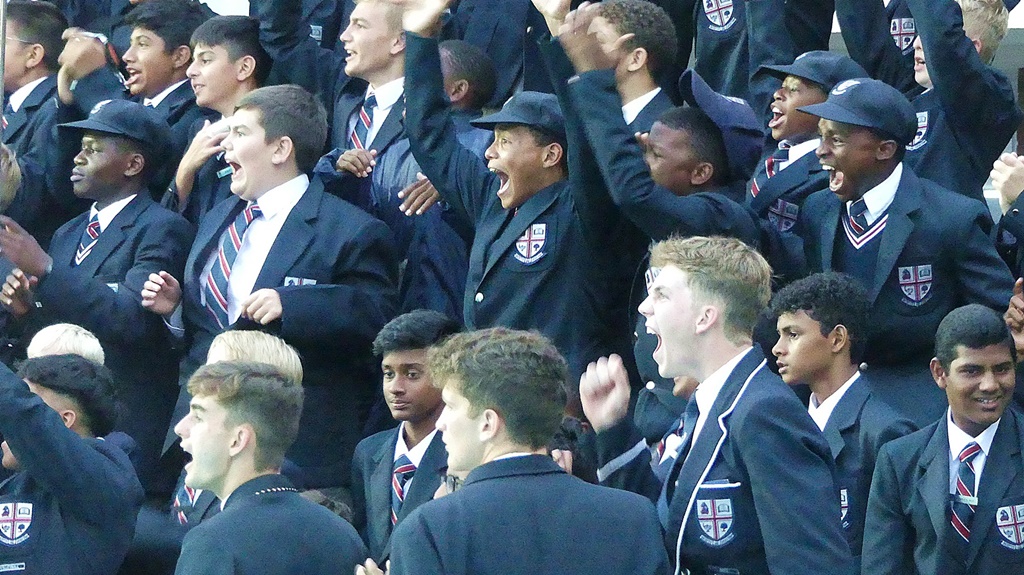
[
  {"x": 879, "y": 198},
  {"x": 155, "y": 100},
  {"x": 797, "y": 151},
  {"x": 633, "y": 108},
  {"x": 958, "y": 438},
  {"x": 820, "y": 413},
  {"x": 707, "y": 391},
  {"x": 415, "y": 454},
  {"x": 21, "y": 94},
  {"x": 107, "y": 214},
  {"x": 387, "y": 94},
  {"x": 283, "y": 198}
]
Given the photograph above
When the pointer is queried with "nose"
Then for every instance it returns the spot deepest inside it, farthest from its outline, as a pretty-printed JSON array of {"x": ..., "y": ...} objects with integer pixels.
[
  {"x": 442, "y": 420},
  {"x": 129, "y": 55},
  {"x": 778, "y": 94},
  {"x": 491, "y": 153},
  {"x": 181, "y": 428},
  {"x": 917, "y": 43},
  {"x": 821, "y": 151},
  {"x": 192, "y": 70},
  {"x": 988, "y": 381},
  {"x": 646, "y": 307},
  {"x": 346, "y": 34},
  {"x": 779, "y": 349}
]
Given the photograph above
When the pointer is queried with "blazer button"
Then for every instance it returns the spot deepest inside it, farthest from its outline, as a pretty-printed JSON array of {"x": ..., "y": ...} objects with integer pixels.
[{"x": 479, "y": 297}]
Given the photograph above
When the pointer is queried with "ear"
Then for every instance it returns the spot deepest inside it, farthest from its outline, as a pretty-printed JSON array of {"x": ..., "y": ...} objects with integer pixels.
[
  {"x": 839, "y": 338},
  {"x": 458, "y": 91},
  {"x": 552, "y": 155},
  {"x": 701, "y": 174},
  {"x": 707, "y": 318},
  {"x": 886, "y": 150},
  {"x": 36, "y": 53},
  {"x": 938, "y": 373},
  {"x": 69, "y": 417},
  {"x": 398, "y": 45},
  {"x": 242, "y": 436},
  {"x": 136, "y": 164},
  {"x": 181, "y": 57},
  {"x": 977, "y": 44},
  {"x": 491, "y": 425},
  {"x": 245, "y": 68},
  {"x": 636, "y": 59},
  {"x": 283, "y": 151}
]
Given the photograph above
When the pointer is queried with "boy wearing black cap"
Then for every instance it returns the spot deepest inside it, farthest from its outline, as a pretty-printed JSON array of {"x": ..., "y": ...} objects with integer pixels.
[
  {"x": 98, "y": 262},
  {"x": 71, "y": 505},
  {"x": 537, "y": 260},
  {"x": 878, "y": 223}
]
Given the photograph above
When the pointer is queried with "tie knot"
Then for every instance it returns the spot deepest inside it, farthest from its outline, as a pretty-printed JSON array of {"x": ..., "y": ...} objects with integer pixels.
[
  {"x": 970, "y": 452},
  {"x": 858, "y": 208},
  {"x": 404, "y": 466},
  {"x": 252, "y": 211},
  {"x": 370, "y": 102}
]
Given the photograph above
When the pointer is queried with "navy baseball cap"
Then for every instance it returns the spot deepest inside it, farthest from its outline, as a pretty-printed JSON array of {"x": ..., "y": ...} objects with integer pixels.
[
  {"x": 534, "y": 109},
  {"x": 869, "y": 104},
  {"x": 126, "y": 119},
  {"x": 821, "y": 67},
  {"x": 742, "y": 133}
]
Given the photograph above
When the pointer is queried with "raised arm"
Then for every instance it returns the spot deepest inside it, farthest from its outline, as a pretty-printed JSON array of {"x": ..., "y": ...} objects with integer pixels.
[{"x": 865, "y": 28}]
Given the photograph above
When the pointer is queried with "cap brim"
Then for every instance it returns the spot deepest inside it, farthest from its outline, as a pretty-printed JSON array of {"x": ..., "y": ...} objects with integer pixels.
[
  {"x": 500, "y": 117},
  {"x": 830, "y": 111},
  {"x": 94, "y": 126},
  {"x": 779, "y": 71}
]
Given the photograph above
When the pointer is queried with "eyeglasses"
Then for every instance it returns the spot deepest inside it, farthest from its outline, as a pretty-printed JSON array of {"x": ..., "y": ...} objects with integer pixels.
[{"x": 10, "y": 38}]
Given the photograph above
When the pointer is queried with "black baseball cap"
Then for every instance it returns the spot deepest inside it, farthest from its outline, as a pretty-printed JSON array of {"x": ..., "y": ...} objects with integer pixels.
[
  {"x": 869, "y": 104},
  {"x": 534, "y": 109},
  {"x": 824, "y": 68},
  {"x": 127, "y": 119}
]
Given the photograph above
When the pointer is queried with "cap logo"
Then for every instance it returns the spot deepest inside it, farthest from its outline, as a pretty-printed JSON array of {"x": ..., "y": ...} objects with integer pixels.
[
  {"x": 801, "y": 56},
  {"x": 844, "y": 86},
  {"x": 99, "y": 106},
  {"x": 739, "y": 101}
]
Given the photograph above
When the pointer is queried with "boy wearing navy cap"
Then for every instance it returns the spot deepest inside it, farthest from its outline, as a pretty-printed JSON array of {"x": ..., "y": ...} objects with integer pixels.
[
  {"x": 98, "y": 262},
  {"x": 878, "y": 222}
]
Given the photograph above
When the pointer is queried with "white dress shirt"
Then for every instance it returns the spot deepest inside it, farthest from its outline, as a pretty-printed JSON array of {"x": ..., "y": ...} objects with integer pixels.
[
  {"x": 707, "y": 392},
  {"x": 107, "y": 214},
  {"x": 21, "y": 94},
  {"x": 821, "y": 412},
  {"x": 879, "y": 198},
  {"x": 415, "y": 454},
  {"x": 155, "y": 100},
  {"x": 632, "y": 109},
  {"x": 797, "y": 151},
  {"x": 387, "y": 95},
  {"x": 259, "y": 237},
  {"x": 958, "y": 440}
]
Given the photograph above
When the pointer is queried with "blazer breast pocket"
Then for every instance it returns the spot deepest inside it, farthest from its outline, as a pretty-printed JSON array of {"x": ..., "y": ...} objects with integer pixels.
[
  {"x": 1008, "y": 544},
  {"x": 718, "y": 517},
  {"x": 536, "y": 248}
]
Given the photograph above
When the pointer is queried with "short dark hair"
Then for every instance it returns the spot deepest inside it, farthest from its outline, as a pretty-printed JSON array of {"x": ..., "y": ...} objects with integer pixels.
[
  {"x": 239, "y": 36},
  {"x": 418, "y": 329},
  {"x": 88, "y": 384},
  {"x": 41, "y": 23},
  {"x": 519, "y": 374},
  {"x": 831, "y": 299},
  {"x": 288, "y": 110},
  {"x": 257, "y": 394},
  {"x": 651, "y": 26},
  {"x": 468, "y": 62},
  {"x": 174, "y": 21},
  {"x": 973, "y": 326},
  {"x": 705, "y": 138}
]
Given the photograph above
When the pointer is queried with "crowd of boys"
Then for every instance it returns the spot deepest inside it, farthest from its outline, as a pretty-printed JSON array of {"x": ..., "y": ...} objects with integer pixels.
[{"x": 462, "y": 286}]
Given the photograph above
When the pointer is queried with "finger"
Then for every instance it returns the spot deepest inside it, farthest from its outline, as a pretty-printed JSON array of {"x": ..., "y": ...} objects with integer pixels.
[
  {"x": 156, "y": 279},
  {"x": 1018, "y": 290},
  {"x": 170, "y": 281}
]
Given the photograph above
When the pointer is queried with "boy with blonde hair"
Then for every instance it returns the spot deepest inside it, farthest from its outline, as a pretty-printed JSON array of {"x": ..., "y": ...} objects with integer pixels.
[{"x": 62, "y": 338}]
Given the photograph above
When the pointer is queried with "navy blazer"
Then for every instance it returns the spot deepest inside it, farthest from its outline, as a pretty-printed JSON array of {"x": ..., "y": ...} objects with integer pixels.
[
  {"x": 267, "y": 528},
  {"x": 31, "y": 125},
  {"x": 908, "y": 527},
  {"x": 351, "y": 259},
  {"x": 858, "y": 427},
  {"x": 525, "y": 515},
  {"x": 753, "y": 493},
  {"x": 212, "y": 184},
  {"x": 103, "y": 295},
  {"x": 372, "y": 467}
]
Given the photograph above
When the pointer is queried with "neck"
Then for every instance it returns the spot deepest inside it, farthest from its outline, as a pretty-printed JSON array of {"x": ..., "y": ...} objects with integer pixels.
[
  {"x": 837, "y": 375},
  {"x": 493, "y": 452},
  {"x": 227, "y": 106},
  {"x": 239, "y": 474},
  {"x": 178, "y": 77},
  {"x": 634, "y": 85},
  {"x": 415, "y": 432},
  {"x": 29, "y": 77},
  {"x": 279, "y": 178},
  {"x": 873, "y": 180},
  {"x": 717, "y": 351},
  {"x": 393, "y": 72},
  {"x": 100, "y": 204}
]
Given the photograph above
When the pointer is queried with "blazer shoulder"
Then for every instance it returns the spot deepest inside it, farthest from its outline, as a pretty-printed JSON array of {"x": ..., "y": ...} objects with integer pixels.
[
  {"x": 908, "y": 448},
  {"x": 372, "y": 443}
]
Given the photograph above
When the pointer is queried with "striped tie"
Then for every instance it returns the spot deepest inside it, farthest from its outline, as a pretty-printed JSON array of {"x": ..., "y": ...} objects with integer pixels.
[
  {"x": 184, "y": 500},
  {"x": 400, "y": 477},
  {"x": 89, "y": 238},
  {"x": 216, "y": 287},
  {"x": 858, "y": 221},
  {"x": 769, "y": 168},
  {"x": 964, "y": 501},
  {"x": 363, "y": 123}
]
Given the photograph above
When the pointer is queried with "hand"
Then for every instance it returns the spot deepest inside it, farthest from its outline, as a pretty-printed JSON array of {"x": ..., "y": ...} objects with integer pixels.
[
  {"x": 161, "y": 294},
  {"x": 604, "y": 392},
  {"x": 563, "y": 457},
  {"x": 422, "y": 17},
  {"x": 554, "y": 12},
  {"x": 357, "y": 162},
  {"x": 10, "y": 176},
  {"x": 1014, "y": 317},
  {"x": 205, "y": 145},
  {"x": 262, "y": 306},
  {"x": 82, "y": 55},
  {"x": 22, "y": 249},
  {"x": 371, "y": 568},
  {"x": 418, "y": 196},
  {"x": 1008, "y": 179},
  {"x": 16, "y": 294},
  {"x": 589, "y": 42}
]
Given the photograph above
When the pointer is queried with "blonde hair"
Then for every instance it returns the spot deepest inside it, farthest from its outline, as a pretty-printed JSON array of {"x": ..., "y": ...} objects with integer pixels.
[
  {"x": 63, "y": 338},
  {"x": 985, "y": 21},
  {"x": 243, "y": 345},
  {"x": 725, "y": 270}
]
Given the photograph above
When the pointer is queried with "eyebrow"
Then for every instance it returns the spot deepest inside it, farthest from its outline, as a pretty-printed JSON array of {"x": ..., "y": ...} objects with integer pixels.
[{"x": 196, "y": 407}]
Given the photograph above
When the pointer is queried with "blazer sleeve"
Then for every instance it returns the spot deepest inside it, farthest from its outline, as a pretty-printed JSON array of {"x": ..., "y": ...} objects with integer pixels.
[
  {"x": 865, "y": 29},
  {"x": 359, "y": 469},
  {"x": 415, "y": 550},
  {"x": 888, "y": 535},
  {"x": 88, "y": 482},
  {"x": 457, "y": 173},
  {"x": 624, "y": 460},
  {"x": 984, "y": 277},
  {"x": 202, "y": 555}
]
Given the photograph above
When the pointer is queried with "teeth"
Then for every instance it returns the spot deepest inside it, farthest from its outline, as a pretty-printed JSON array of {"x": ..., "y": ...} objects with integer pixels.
[{"x": 828, "y": 168}]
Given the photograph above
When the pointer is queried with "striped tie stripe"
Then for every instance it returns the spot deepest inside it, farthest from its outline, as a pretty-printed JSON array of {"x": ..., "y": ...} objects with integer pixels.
[
  {"x": 216, "y": 288},
  {"x": 89, "y": 238},
  {"x": 358, "y": 138},
  {"x": 400, "y": 477},
  {"x": 962, "y": 513}
]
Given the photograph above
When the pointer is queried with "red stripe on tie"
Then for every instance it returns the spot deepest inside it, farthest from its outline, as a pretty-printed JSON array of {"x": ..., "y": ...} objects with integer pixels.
[{"x": 216, "y": 293}]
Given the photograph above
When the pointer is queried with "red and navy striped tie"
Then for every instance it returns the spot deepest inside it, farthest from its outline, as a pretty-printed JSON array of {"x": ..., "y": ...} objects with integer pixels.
[
  {"x": 400, "y": 477},
  {"x": 89, "y": 238},
  {"x": 964, "y": 501},
  {"x": 858, "y": 219},
  {"x": 769, "y": 168},
  {"x": 216, "y": 287},
  {"x": 361, "y": 131}
]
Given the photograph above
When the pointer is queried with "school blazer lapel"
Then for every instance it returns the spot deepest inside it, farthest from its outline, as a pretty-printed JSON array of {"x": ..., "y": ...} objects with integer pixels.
[
  {"x": 1001, "y": 470},
  {"x": 380, "y": 493},
  {"x": 829, "y": 227},
  {"x": 844, "y": 416},
  {"x": 790, "y": 178},
  {"x": 527, "y": 213},
  {"x": 294, "y": 238},
  {"x": 897, "y": 229},
  {"x": 113, "y": 236},
  {"x": 933, "y": 486}
]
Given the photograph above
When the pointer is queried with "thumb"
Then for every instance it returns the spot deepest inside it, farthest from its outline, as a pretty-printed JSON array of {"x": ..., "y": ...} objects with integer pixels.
[{"x": 1018, "y": 287}]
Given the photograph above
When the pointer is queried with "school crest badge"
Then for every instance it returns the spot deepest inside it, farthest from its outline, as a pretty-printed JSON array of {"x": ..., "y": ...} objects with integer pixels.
[
  {"x": 916, "y": 284},
  {"x": 719, "y": 13},
  {"x": 922, "y": 131},
  {"x": 715, "y": 519},
  {"x": 1010, "y": 523},
  {"x": 903, "y": 32},
  {"x": 15, "y": 519},
  {"x": 783, "y": 215},
  {"x": 530, "y": 245}
]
